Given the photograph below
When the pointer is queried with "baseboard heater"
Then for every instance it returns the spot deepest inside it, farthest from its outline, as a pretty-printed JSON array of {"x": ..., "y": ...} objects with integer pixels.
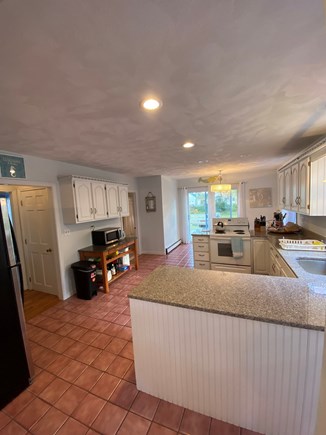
[{"x": 173, "y": 246}]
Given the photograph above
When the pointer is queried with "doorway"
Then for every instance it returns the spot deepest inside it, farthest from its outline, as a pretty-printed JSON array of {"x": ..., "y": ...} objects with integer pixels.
[
  {"x": 198, "y": 217},
  {"x": 34, "y": 226},
  {"x": 129, "y": 222}
]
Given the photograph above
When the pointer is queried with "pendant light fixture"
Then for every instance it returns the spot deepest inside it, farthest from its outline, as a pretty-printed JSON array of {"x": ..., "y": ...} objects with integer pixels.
[{"x": 220, "y": 187}]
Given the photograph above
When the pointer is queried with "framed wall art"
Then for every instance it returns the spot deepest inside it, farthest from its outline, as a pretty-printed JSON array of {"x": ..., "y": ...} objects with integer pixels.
[{"x": 261, "y": 197}]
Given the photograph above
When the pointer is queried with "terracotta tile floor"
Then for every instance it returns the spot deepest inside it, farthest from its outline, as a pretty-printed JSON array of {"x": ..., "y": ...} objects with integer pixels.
[{"x": 85, "y": 380}]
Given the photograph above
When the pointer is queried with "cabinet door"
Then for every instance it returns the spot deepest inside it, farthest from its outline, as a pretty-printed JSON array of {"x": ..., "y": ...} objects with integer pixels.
[
  {"x": 287, "y": 188},
  {"x": 304, "y": 185},
  {"x": 83, "y": 198},
  {"x": 99, "y": 200},
  {"x": 123, "y": 200},
  {"x": 318, "y": 187},
  {"x": 261, "y": 256},
  {"x": 294, "y": 203},
  {"x": 281, "y": 190},
  {"x": 112, "y": 200}
]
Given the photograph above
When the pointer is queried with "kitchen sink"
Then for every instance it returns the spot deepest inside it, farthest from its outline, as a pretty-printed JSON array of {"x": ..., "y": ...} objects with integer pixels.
[{"x": 316, "y": 266}]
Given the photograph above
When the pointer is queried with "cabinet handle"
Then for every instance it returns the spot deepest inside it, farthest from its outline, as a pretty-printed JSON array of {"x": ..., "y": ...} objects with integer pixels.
[
  {"x": 201, "y": 246},
  {"x": 95, "y": 210},
  {"x": 201, "y": 255},
  {"x": 299, "y": 200},
  {"x": 202, "y": 264},
  {"x": 283, "y": 199},
  {"x": 91, "y": 210}
]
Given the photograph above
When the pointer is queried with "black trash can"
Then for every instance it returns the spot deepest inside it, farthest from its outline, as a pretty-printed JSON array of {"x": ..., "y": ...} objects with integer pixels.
[{"x": 85, "y": 279}]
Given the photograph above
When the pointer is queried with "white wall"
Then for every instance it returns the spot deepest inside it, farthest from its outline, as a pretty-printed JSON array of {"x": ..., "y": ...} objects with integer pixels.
[
  {"x": 151, "y": 223},
  {"x": 45, "y": 172},
  {"x": 252, "y": 180},
  {"x": 170, "y": 211}
]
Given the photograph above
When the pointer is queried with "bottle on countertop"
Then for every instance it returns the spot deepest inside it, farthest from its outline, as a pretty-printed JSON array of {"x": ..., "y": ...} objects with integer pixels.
[{"x": 113, "y": 270}]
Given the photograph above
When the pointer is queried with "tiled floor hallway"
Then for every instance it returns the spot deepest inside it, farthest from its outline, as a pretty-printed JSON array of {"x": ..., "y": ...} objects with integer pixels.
[{"x": 85, "y": 380}]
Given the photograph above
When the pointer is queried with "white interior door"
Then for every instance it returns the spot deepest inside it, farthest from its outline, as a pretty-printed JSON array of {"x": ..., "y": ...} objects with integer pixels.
[{"x": 38, "y": 240}]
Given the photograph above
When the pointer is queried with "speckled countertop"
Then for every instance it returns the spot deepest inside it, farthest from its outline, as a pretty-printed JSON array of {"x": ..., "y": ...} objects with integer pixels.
[
  {"x": 291, "y": 257},
  {"x": 284, "y": 301}
]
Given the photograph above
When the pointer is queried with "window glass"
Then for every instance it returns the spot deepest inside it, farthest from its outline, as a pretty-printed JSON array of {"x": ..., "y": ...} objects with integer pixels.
[
  {"x": 226, "y": 204},
  {"x": 198, "y": 211}
]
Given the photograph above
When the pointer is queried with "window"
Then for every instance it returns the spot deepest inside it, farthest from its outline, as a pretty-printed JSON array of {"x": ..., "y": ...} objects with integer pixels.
[
  {"x": 201, "y": 205},
  {"x": 226, "y": 204}
]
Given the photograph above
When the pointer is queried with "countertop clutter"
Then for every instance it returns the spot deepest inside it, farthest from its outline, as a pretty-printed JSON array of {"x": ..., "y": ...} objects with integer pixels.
[
  {"x": 291, "y": 257},
  {"x": 283, "y": 301},
  {"x": 111, "y": 255}
]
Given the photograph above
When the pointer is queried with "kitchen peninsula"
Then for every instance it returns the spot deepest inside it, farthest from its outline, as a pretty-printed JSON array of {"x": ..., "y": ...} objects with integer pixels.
[{"x": 246, "y": 349}]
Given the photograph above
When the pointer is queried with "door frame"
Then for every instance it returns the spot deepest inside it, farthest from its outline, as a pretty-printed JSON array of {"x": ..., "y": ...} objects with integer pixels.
[
  {"x": 52, "y": 190},
  {"x": 134, "y": 200},
  {"x": 50, "y": 223}
]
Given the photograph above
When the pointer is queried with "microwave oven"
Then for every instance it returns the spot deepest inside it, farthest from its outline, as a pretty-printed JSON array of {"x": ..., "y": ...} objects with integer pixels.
[{"x": 106, "y": 236}]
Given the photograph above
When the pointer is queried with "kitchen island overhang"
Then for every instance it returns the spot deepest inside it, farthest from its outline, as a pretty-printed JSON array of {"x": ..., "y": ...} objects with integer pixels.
[{"x": 245, "y": 349}]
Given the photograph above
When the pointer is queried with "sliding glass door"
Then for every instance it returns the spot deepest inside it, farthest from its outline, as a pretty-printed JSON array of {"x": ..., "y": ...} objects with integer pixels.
[{"x": 198, "y": 217}]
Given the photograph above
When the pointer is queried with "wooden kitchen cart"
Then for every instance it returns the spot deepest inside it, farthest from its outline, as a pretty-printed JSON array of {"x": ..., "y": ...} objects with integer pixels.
[{"x": 109, "y": 254}]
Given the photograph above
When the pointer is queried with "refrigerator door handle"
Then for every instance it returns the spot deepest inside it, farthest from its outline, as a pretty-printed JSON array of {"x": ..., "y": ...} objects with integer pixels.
[
  {"x": 8, "y": 234},
  {"x": 16, "y": 279}
]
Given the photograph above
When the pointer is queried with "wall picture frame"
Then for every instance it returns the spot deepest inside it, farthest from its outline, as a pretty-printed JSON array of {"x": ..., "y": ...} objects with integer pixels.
[{"x": 260, "y": 197}]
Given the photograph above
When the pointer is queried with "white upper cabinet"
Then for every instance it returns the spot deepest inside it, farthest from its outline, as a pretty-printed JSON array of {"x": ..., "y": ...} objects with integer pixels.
[
  {"x": 318, "y": 187},
  {"x": 117, "y": 198},
  {"x": 99, "y": 200},
  {"x": 123, "y": 200},
  {"x": 83, "y": 200},
  {"x": 113, "y": 200},
  {"x": 304, "y": 185},
  {"x": 88, "y": 200},
  {"x": 300, "y": 186},
  {"x": 294, "y": 187},
  {"x": 281, "y": 189}
]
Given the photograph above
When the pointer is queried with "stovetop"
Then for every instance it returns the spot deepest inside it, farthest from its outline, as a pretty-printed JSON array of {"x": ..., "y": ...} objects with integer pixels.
[{"x": 230, "y": 227}]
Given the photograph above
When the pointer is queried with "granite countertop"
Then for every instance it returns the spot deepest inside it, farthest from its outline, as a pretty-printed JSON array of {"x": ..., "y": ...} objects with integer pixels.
[
  {"x": 291, "y": 257},
  {"x": 284, "y": 301}
]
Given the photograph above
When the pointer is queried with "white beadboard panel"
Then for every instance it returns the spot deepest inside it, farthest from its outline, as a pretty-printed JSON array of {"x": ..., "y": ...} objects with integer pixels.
[{"x": 261, "y": 376}]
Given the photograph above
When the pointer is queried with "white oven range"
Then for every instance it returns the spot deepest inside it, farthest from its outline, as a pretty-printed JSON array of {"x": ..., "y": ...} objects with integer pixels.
[{"x": 230, "y": 247}]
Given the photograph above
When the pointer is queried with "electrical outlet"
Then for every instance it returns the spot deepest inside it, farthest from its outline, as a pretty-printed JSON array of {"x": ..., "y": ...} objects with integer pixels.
[{"x": 66, "y": 232}]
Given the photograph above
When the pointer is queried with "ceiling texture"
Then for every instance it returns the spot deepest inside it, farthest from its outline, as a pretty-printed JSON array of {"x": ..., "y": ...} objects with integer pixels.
[{"x": 245, "y": 80}]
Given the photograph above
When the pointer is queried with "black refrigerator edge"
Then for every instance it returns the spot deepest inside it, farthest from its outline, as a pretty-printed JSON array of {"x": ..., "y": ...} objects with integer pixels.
[{"x": 16, "y": 368}]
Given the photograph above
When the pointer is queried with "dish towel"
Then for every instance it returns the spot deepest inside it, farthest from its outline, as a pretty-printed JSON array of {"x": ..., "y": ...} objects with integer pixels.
[{"x": 237, "y": 247}]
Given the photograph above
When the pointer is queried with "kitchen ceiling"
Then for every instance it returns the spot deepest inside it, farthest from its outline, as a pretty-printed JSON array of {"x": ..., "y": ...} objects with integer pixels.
[{"x": 245, "y": 80}]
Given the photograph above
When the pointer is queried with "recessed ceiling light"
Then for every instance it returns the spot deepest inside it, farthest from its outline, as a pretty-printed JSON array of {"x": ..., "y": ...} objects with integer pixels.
[
  {"x": 188, "y": 145},
  {"x": 151, "y": 104}
]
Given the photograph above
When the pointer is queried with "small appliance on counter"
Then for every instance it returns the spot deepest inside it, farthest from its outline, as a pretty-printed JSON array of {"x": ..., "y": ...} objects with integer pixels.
[
  {"x": 278, "y": 219},
  {"x": 106, "y": 236}
]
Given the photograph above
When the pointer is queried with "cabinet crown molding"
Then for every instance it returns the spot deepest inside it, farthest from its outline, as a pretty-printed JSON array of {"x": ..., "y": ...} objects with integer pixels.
[
  {"x": 315, "y": 150},
  {"x": 82, "y": 177}
]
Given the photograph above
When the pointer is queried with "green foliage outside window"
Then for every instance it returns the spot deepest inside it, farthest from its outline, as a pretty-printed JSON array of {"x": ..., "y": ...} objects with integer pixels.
[{"x": 226, "y": 204}]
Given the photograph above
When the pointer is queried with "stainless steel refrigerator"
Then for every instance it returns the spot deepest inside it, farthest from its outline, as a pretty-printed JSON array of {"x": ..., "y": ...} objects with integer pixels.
[{"x": 16, "y": 368}]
